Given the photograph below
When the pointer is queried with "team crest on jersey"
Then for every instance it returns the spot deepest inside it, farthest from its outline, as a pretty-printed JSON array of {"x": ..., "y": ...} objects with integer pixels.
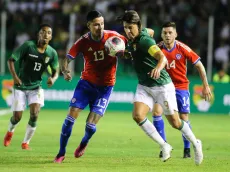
[
  {"x": 178, "y": 56},
  {"x": 47, "y": 59}
]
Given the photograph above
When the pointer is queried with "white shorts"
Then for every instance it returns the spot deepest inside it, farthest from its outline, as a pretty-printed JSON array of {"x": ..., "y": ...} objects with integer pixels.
[
  {"x": 164, "y": 95},
  {"x": 22, "y": 97}
]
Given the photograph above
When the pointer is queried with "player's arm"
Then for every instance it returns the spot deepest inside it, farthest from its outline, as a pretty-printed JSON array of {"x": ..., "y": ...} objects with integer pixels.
[
  {"x": 65, "y": 70},
  {"x": 156, "y": 52},
  {"x": 16, "y": 79},
  {"x": 206, "y": 90},
  {"x": 54, "y": 70}
]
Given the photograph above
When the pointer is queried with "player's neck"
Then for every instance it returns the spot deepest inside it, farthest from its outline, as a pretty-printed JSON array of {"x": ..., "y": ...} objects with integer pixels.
[
  {"x": 169, "y": 46},
  {"x": 41, "y": 47}
]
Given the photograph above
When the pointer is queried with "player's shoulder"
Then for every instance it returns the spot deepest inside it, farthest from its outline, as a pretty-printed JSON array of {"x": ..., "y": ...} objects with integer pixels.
[
  {"x": 182, "y": 46},
  {"x": 160, "y": 44},
  {"x": 83, "y": 38}
]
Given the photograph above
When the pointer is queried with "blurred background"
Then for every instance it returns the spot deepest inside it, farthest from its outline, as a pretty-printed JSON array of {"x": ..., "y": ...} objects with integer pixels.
[{"x": 202, "y": 25}]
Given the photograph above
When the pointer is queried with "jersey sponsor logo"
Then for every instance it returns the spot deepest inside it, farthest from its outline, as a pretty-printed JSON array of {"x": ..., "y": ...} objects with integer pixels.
[
  {"x": 90, "y": 49},
  {"x": 178, "y": 56},
  {"x": 31, "y": 55},
  {"x": 47, "y": 59}
]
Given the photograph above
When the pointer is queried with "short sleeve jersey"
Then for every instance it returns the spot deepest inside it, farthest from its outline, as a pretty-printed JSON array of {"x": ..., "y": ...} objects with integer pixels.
[
  {"x": 177, "y": 63},
  {"x": 30, "y": 64},
  {"x": 143, "y": 62},
  {"x": 99, "y": 67}
]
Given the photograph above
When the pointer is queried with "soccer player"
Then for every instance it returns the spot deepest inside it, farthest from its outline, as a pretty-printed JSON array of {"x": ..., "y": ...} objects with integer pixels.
[
  {"x": 177, "y": 54},
  {"x": 155, "y": 86},
  {"x": 26, "y": 65},
  {"x": 96, "y": 83}
]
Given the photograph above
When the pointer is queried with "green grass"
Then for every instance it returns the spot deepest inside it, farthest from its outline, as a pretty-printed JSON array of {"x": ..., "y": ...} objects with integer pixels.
[{"x": 118, "y": 145}]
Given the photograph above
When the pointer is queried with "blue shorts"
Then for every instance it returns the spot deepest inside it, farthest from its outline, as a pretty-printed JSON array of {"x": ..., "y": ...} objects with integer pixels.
[
  {"x": 183, "y": 101},
  {"x": 97, "y": 97}
]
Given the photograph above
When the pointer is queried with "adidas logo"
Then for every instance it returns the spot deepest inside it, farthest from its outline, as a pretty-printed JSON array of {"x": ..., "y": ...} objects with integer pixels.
[{"x": 90, "y": 49}]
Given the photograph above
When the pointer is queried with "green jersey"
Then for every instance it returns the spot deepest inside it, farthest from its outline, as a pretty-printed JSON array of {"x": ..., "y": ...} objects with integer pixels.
[
  {"x": 143, "y": 62},
  {"x": 30, "y": 64}
]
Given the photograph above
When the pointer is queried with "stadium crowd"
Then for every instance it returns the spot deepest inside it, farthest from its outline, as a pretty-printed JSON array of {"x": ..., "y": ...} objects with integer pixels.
[{"x": 191, "y": 17}]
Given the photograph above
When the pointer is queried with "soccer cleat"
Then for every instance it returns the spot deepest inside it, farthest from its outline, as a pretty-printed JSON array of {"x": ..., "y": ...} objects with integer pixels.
[
  {"x": 198, "y": 152},
  {"x": 25, "y": 146},
  {"x": 80, "y": 151},
  {"x": 58, "y": 159},
  {"x": 187, "y": 153},
  {"x": 160, "y": 155},
  {"x": 7, "y": 138},
  {"x": 166, "y": 151}
]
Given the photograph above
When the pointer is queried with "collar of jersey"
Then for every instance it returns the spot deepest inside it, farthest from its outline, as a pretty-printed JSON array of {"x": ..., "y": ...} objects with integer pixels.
[
  {"x": 170, "y": 49},
  {"x": 95, "y": 40}
]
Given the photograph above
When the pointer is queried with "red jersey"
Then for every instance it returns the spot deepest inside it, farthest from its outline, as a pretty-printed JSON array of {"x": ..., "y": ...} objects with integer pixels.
[
  {"x": 177, "y": 63},
  {"x": 99, "y": 68}
]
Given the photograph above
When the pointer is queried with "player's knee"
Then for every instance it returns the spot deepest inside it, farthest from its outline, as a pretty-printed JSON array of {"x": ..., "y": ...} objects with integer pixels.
[
  {"x": 137, "y": 117},
  {"x": 34, "y": 116},
  {"x": 176, "y": 124},
  {"x": 157, "y": 113}
]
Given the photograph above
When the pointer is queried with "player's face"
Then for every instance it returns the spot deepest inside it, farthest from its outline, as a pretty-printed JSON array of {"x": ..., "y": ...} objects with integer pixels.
[
  {"x": 45, "y": 35},
  {"x": 131, "y": 30},
  {"x": 168, "y": 35},
  {"x": 96, "y": 28}
]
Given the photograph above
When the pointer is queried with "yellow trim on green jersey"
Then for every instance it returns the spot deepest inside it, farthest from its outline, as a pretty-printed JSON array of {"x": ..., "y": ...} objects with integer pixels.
[{"x": 153, "y": 49}]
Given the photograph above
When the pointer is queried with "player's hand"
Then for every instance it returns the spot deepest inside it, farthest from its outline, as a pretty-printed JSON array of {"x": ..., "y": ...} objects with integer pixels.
[
  {"x": 50, "y": 81},
  {"x": 17, "y": 81},
  {"x": 207, "y": 94},
  {"x": 67, "y": 75},
  {"x": 155, "y": 73}
]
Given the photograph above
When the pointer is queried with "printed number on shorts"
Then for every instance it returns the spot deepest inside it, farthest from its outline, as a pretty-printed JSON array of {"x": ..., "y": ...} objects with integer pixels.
[
  {"x": 171, "y": 65},
  {"x": 99, "y": 55},
  {"x": 37, "y": 66},
  {"x": 186, "y": 101},
  {"x": 102, "y": 103}
]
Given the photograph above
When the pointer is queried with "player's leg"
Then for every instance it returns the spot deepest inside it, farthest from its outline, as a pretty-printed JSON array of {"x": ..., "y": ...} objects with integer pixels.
[
  {"x": 167, "y": 99},
  {"x": 143, "y": 102},
  {"x": 183, "y": 103},
  {"x": 35, "y": 101},
  {"x": 18, "y": 106},
  {"x": 158, "y": 121},
  {"x": 78, "y": 102},
  {"x": 98, "y": 103}
]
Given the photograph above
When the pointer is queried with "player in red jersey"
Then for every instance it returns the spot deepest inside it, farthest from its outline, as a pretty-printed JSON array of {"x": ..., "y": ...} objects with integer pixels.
[
  {"x": 177, "y": 54},
  {"x": 96, "y": 83}
]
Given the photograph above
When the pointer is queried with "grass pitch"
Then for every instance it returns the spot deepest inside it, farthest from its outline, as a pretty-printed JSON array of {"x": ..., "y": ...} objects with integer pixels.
[{"x": 118, "y": 145}]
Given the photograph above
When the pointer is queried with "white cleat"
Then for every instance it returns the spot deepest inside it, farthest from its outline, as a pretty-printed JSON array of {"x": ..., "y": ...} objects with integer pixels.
[
  {"x": 198, "y": 152},
  {"x": 166, "y": 152}
]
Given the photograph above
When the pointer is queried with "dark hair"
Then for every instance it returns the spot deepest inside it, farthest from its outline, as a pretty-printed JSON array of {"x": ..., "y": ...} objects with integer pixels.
[
  {"x": 43, "y": 25},
  {"x": 169, "y": 24},
  {"x": 92, "y": 15},
  {"x": 131, "y": 16}
]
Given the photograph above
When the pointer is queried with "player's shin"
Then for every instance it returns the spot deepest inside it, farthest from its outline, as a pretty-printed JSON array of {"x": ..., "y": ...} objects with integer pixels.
[
  {"x": 65, "y": 134},
  {"x": 158, "y": 122},
  {"x": 151, "y": 131},
  {"x": 30, "y": 130},
  {"x": 90, "y": 129},
  {"x": 186, "y": 142},
  {"x": 187, "y": 132},
  {"x": 12, "y": 124}
]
